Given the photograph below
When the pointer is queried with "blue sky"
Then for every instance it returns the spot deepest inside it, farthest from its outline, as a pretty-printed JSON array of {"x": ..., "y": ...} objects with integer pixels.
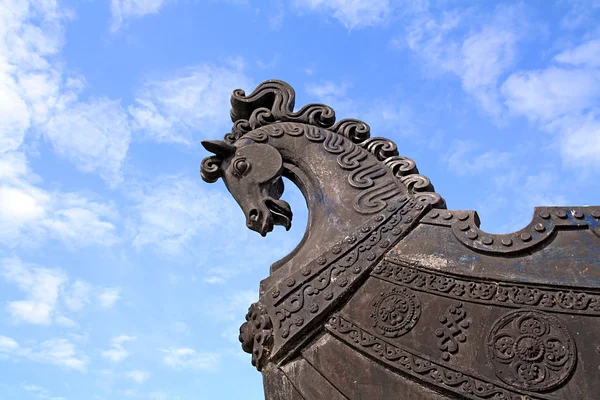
[{"x": 123, "y": 276}]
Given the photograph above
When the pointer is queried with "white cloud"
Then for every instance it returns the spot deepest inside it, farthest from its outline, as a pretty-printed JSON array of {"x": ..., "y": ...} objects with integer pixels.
[
  {"x": 138, "y": 376},
  {"x": 563, "y": 101},
  {"x": 41, "y": 286},
  {"x": 8, "y": 344},
  {"x": 544, "y": 95},
  {"x": 382, "y": 114},
  {"x": 94, "y": 136},
  {"x": 40, "y": 392},
  {"x": 351, "y": 13},
  {"x": 327, "y": 89},
  {"x": 77, "y": 297},
  {"x": 37, "y": 94},
  {"x": 190, "y": 102},
  {"x": 174, "y": 211},
  {"x": 463, "y": 160},
  {"x": 117, "y": 352},
  {"x": 125, "y": 9},
  {"x": 235, "y": 305},
  {"x": 186, "y": 358},
  {"x": 587, "y": 54},
  {"x": 29, "y": 214},
  {"x": 108, "y": 297},
  {"x": 217, "y": 275},
  {"x": 60, "y": 352},
  {"x": 480, "y": 57},
  {"x": 66, "y": 322},
  {"x": 30, "y": 34}
]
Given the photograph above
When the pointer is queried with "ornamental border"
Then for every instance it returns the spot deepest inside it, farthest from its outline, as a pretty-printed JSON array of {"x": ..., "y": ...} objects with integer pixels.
[
  {"x": 560, "y": 300},
  {"x": 299, "y": 303},
  {"x": 399, "y": 359}
]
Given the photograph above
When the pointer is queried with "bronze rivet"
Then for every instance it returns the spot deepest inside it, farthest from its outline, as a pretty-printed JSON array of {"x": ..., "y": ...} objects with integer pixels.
[
  {"x": 464, "y": 227},
  {"x": 448, "y": 215},
  {"x": 539, "y": 227},
  {"x": 463, "y": 217},
  {"x": 487, "y": 240},
  {"x": 561, "y": 214},
  {"x": 544, "y": 214},
  {"x": 596, "y": 213},
  {"x": 472, "y": 235},
  {"x": 577, "y": 214},
  {"x": 525, "y": 237},
  {"x": 434, "y": 215},
  {"x": 507, "y": 241}
]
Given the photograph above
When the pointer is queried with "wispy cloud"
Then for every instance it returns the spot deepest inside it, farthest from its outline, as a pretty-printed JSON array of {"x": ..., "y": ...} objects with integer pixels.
[
  {"x": 44, "y": 288},
  {"x": 126, "y": 9},
  {"x": 117, "y": 352},
  {"x": 40, "y": 392},
  {"x": 60, "y": 352},
  {"x": 187, "y": 104},
  {"x": 138, "y": 376},
  {"x": 479, "y": 56},
  {"x": 93, "y": 135},
  {"x": 107, "y": 297},
  {"x": 173, "y": 211},
  {"x": 563, "y": 100},
  {"x": 463, "y": 158},
  {"x": 30, "y": 215},
  {"x": 187, "y": 358},
  {"x": 352, "y": 14}
]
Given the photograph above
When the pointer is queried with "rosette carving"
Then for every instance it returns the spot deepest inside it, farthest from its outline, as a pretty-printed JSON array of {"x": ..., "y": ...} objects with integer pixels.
[
  {"x": 256, "y": 335},
  {"x": 531, "y": 350},
  {"x": 395, "y": 312}
]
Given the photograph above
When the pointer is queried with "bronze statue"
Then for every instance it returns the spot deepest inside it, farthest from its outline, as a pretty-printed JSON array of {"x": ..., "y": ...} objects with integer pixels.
[{"x": 389, "y": 295}]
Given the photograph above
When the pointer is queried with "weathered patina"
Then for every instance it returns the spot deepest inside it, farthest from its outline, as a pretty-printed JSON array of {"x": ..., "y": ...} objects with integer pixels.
[{"x": 389, "y": 295}]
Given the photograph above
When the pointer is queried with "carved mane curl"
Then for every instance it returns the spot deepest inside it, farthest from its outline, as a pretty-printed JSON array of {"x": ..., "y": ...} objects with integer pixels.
[{"x": 273, "y": 102}]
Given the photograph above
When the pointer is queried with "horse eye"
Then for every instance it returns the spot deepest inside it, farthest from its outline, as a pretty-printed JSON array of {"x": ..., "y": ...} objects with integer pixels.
[{"x": 241, "y": 166}]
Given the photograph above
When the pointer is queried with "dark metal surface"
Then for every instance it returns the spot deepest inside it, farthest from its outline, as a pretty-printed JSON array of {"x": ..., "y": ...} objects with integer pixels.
[{"x": 389, "y": 295}]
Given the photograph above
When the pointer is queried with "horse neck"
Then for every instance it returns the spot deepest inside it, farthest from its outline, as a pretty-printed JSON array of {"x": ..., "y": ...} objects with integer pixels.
[{"x": 343, "y": 185}]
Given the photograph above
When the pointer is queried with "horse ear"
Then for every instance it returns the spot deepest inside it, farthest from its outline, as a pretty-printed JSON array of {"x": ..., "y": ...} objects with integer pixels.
[{"x": 219, "y": 147}]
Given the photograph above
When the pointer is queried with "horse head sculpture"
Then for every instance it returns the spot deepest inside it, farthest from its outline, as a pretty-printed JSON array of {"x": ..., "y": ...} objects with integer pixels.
[
  {"x": 387, "y": 286},
  {"x": 253, "y": 175},
  {"x": 267, "y": 143}
]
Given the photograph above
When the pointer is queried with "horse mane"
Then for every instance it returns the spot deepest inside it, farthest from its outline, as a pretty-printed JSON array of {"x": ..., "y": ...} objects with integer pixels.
[{"x": 273, "y": 102}]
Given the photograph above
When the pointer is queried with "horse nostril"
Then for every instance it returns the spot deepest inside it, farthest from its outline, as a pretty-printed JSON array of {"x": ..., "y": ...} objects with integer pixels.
[{"x": 253, "y": 214}]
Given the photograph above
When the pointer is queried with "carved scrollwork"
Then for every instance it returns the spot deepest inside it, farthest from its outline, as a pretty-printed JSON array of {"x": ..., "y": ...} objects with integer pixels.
[
  {"x": 273, "y": 101},
  {"x": 353, "y": 129},
  {"x": 531, "y": 350},
  {"x": 256, "y": 335},
  {"x": 395, "y": 312},
  {"x": 380, "y": 147}
]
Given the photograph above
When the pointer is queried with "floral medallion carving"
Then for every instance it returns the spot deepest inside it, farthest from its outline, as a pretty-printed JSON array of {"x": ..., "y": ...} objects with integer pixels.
[
  {"x": 531, "y": 350},
  {"x": 395, "y": 312}
]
